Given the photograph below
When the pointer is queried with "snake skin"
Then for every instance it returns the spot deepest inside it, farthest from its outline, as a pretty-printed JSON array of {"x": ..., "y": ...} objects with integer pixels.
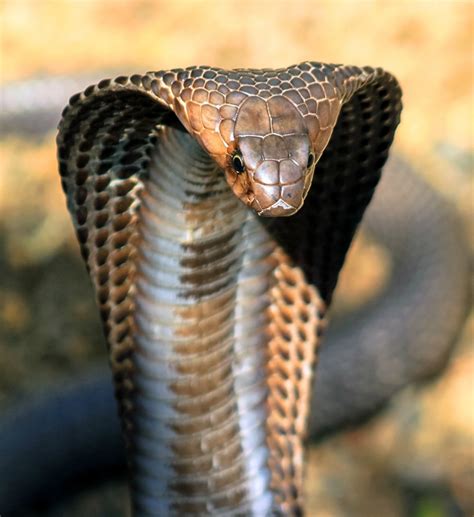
[
  {"x": 213, "y": 315},
  {"x": 71, "y": 432}
]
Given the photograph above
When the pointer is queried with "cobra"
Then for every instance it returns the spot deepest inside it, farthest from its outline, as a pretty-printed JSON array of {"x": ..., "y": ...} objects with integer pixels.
[{"x": 212, "y": 314}]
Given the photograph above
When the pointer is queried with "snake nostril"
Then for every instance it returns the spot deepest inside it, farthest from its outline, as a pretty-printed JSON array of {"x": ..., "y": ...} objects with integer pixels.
[{"x": 310, "y": 160}]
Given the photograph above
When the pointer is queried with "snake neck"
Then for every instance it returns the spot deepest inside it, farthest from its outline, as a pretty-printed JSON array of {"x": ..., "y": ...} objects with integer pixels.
[{"x": 203, "y": 274}]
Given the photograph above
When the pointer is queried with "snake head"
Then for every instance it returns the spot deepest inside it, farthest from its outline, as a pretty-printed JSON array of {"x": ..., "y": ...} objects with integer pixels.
[
  {"x": 265, "y": 132},
  {"x": 271, "y": 164}
]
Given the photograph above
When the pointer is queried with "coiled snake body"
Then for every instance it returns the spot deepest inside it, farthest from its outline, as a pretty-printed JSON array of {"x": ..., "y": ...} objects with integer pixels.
[{"x": 212, "y": 314}]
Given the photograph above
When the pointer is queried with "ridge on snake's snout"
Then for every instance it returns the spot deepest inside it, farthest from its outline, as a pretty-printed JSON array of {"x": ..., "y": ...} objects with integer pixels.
[{"x": 213, "y": 315}]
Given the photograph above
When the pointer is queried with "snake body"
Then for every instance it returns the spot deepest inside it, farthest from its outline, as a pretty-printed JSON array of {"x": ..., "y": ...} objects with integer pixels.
[
  {"x": 72, "y": 435},
  {"x": 212, "y": 314}
]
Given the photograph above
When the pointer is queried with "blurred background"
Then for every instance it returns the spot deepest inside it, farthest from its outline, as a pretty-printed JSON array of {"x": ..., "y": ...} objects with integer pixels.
[{"x": 49, "y": 328}]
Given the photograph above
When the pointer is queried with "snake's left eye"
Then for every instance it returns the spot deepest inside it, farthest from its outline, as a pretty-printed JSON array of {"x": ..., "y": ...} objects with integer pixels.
[
  {"x": 238, "y": 163},
  {"x": 310, "y": 160}
]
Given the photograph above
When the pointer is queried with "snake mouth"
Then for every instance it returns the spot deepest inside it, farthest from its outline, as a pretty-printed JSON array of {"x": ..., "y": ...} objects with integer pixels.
[{"x": 279, "y": 209}]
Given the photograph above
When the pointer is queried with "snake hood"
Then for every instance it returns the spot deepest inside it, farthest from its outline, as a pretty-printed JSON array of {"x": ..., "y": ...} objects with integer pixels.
[
  {"x": 213, "y": 315},
  {"x": 259, "y": 129},
  {"x": 348, "y": 381},
  {"x": 266, "y": 128}
]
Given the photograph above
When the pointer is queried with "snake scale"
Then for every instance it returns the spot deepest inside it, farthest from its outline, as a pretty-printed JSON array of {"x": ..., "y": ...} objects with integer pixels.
[{"x": 213, "y": 314}]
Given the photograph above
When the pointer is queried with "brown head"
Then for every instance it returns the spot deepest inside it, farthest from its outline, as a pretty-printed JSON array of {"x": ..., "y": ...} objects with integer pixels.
[
  {"x": 271, "y": 165},
  {"x": 266, "y": 129}
]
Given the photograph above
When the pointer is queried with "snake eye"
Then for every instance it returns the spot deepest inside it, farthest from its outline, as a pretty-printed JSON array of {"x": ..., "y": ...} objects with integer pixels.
[
  {"x": 238, "y": 163},
  {"x": 310, "y": 160}
]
